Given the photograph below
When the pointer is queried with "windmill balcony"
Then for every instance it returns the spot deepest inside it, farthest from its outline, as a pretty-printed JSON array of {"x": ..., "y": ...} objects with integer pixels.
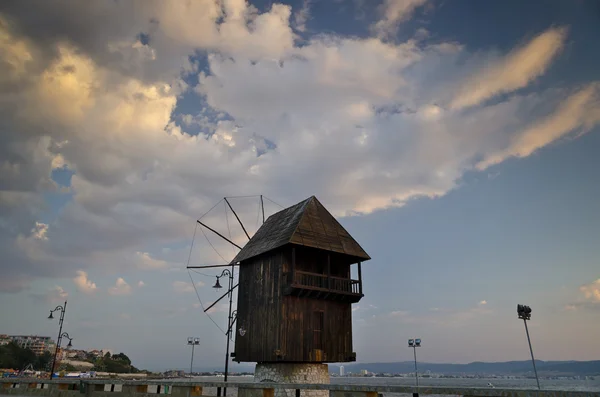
[{"x": 322, "y": 286}]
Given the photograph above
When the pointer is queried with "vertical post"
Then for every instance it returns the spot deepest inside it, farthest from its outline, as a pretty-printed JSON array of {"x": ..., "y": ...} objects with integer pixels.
[
  {"x": 293, "y": 266},
  {"x": 60, "y": 322},
  {"x": 532, "y": 358},
  {"x": 328, "y": 271},
  {"x": 416, "y": 394},
  {"x": 359, "y": 279},
  {"x": 228, "y": 328},
  {"x": 192, "y": 361},
  {"x": 262, "y": 206}
]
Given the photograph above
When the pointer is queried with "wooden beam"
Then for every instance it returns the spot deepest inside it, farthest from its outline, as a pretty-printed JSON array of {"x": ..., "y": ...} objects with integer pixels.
[
  {"x": 237, "y": 217},
  {"x": 328, "y": 271},
  {"x": 223, "y": 296},
  {"x": 262, "y": 206},
  {"x": 211, "y": 266},
  {"x": 359, "y": 279},
  {"x": 293, "y": 269},
  {"x": 219, "y": 234}
]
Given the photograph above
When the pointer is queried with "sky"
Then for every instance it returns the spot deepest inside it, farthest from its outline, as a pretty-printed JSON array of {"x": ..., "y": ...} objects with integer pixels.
[{"x": 457, "y": 141}]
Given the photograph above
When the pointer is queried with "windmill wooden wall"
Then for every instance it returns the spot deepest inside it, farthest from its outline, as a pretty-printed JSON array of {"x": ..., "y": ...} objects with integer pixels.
[{"x": 284, "y": 328}]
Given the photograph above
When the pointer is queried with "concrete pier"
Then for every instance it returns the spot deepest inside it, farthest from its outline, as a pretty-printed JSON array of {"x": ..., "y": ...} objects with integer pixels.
[
  {"x": 301, "y": 373},
  {"x": 182, "y": 388}
]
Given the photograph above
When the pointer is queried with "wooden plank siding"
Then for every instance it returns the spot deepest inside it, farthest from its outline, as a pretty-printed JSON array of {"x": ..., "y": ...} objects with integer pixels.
[
  {"x": 259, "y": 307},
  {"x": 278, "y": 323}
]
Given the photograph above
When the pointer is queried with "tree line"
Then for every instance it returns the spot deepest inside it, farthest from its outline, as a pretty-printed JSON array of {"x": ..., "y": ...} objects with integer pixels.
[{"x": 13, "y": 356}]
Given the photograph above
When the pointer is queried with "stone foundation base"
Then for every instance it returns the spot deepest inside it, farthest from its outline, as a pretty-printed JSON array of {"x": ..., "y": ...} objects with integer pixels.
[{"x": 293, "y": 373}]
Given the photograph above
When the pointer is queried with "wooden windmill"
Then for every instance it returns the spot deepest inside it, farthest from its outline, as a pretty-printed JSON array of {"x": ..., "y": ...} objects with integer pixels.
[
  {"x": 295, "y": 289},
  {"x": 295, "y": 295}
]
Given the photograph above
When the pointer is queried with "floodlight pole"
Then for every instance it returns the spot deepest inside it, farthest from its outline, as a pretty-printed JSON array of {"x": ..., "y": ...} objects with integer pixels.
[
  {"x": 524, "y": 313},
  {"x": 532, "y": 358},
  {"x": 416, "y": 371},
  {"x": 193, "y": 341},
  {"x": 414, "y": 343},
  {"x": 192, "y": 361}
]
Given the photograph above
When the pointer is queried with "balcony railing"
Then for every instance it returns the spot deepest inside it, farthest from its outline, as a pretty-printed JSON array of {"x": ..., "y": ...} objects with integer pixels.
[
  {"x": 324, "y": 285},
  {"x": 322, "y": 281}
]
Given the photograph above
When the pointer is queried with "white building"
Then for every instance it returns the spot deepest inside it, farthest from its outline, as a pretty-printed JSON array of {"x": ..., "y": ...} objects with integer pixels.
[
  {"x": 38, "y": 344},
  {"x": 342, "y": 373}
]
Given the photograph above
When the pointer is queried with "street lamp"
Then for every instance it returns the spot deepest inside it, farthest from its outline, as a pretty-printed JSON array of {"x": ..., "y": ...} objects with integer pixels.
[
  {"x": 193, "y": 342},
  {"x": 414, "y": 343},
  {"x": 217, "y": 285},
  {"x": 66, "y": 335},
  {"x": 524, "y": 313},
  {"x": 62, "y": 310}
]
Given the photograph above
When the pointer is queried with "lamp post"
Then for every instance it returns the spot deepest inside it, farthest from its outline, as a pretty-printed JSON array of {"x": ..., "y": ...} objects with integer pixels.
[
  {"x": 414, "y": 343},
  {"x": 524, "y": 313},
  {"x": 62, "y": 310},
  {"x": 193, "y": 342},
  {"x": 217, "y": 285}
]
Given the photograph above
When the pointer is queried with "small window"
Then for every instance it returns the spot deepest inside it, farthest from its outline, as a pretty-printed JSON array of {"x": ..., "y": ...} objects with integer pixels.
[{"x": 318, "y": 324}]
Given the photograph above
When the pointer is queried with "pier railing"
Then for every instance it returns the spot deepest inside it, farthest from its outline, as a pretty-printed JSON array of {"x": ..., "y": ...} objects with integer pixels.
[{"x": 177, "y": 388}]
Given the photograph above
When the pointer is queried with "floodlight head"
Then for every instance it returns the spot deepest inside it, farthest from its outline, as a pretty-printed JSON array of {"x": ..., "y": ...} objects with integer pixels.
[
  {"x": 190, "y": 341},
  {"x": 417, "y": 342},
  {"x": 524, "y": 312},
  {"x": 411, "y": 342},
  {"x": 196, "y": 341}
]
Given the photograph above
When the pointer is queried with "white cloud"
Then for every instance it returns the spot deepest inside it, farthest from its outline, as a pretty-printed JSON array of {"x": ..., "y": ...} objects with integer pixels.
[
  {"x": 515, "y": 70},
  {"x": 83, "y": 283},
  {"x": 482, "y": 303},
  {"x": 301, "y": 16},
  {"x": 57, "y": 294},
  {"x": 145, "y": 261},
  {"x": 399, "y": 313},
  {"x": 120, "y": 288},
  {"x": 591, "y": 291},
  {"x": 39, "y": 231},
  {"x": 579, "y": 111},
  {"x": 370, "y": 125},
  {"x": 394, "y": 12},
  {"x": 141, "y": 284},
  {"x": 185, "y": 286}
]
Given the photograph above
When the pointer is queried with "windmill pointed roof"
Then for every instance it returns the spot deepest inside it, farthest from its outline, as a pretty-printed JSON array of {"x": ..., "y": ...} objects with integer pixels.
[{"x": 307, "y": 223}]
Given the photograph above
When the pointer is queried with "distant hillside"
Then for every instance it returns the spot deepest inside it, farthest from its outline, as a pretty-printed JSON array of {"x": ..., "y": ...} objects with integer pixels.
[{"x": 566, "y": 368}]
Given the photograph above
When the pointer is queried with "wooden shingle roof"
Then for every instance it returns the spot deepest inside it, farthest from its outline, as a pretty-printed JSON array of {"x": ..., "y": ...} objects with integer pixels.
[{"x": 307, "y": 223}]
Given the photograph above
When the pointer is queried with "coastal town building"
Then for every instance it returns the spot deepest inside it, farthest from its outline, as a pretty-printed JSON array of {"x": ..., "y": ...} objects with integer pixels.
[{"x": 38, "y": 344}]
